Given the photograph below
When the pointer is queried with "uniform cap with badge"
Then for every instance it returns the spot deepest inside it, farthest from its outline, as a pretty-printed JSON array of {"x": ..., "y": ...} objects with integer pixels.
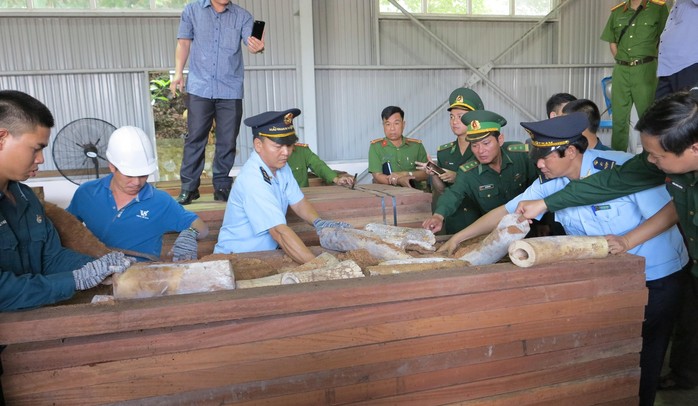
[
  {"x": 465, "y": 99},
  {"x": 275, "y": 125},
  {"x": 482, "y": 123},
  {"x": 551, "y": 134}
]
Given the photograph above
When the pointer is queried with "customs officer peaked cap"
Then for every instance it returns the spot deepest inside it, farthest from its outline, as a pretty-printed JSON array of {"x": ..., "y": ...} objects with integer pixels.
[
  {"x": 481, "y": 123},
  {"x": 275, "y": 125},
  {"x": 464, "y": 99},
  {"x": 551, "y": 134}
]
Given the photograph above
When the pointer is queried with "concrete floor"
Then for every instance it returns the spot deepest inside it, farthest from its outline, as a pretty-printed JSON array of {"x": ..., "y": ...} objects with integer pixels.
[{"x": 677, "y": 398}]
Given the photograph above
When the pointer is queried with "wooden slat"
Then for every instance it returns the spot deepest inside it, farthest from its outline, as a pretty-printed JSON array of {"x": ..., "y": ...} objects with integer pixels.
[
  {"x": 80, "y": 320},
  {"x": 476, "y": 314},
  {"x": 494, "y": 334}
]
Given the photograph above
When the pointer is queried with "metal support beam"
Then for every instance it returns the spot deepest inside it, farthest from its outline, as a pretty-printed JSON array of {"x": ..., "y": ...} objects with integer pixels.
[
  {"x": 307, "y": 73},
  {"x": 478, "y": 73}
]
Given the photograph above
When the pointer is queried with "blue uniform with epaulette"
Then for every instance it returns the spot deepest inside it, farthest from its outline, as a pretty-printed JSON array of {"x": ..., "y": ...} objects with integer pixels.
[
  {"x": 258, "y": 202},
  {"x": 260, "y": 197},
  {"x": 664, "y": 254}
]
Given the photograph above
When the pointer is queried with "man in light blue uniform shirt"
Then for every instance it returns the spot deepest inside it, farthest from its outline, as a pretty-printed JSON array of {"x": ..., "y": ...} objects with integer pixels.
[
  {"x": 255, "y": 216},
  {"x": 560, "y": 152}
]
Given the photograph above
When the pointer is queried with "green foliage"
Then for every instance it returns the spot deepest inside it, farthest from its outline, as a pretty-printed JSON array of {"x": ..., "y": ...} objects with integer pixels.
[
  {"x": 99, "y": 4},
  {"x": 448, "y": 7},
  {"x": 13, "y": 4},
  {"x": 62, "y": 4},
  {"x": 479, "y": 7},
  {"x": 160, "y": 89}
]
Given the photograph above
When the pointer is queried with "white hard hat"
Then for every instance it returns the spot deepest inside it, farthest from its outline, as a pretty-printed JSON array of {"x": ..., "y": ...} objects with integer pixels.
[{"x": 131, "y": 152}]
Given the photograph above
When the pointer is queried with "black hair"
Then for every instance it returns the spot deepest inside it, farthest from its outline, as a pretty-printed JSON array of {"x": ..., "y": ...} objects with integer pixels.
[
  {"x": 556, "y": 100},
  {"x": 587, "y": 107},
  {"x": 390, "y": 110},
  {"x": 582, "y": 143},
  {"x": 20, "y": 112},
  {"x": 674, "y": 119}
]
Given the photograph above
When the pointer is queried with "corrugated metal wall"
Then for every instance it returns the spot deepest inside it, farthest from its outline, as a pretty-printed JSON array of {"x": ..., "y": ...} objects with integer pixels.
[{"x": 97, "y": 66}]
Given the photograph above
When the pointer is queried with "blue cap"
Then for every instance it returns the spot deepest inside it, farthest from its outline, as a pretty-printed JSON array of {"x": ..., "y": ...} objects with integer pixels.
[
  {"x": 551, "y": 134},
  {"x": 275, "y": 125}
]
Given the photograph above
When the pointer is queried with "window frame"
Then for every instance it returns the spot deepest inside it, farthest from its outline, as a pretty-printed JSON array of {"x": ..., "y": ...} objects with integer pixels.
[{"x": 481, "y": 17}]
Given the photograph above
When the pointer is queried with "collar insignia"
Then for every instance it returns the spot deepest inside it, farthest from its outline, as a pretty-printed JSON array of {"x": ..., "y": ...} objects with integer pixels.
[{"x": 265, "y": 175}]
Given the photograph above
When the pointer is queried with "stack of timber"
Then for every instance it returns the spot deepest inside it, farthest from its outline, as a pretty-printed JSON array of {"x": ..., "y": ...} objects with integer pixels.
[
  {"x": 364, "y": 204},
  {"x": 554, "y": 334}
]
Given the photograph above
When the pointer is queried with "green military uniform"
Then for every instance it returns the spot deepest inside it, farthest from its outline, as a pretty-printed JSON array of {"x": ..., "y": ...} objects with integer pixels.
[
  {"x": 303, "y": 159},
  {"x": 486, "y": 187},
  {"x": 635, "y": 71},
  {"x": 402, "y": 158},
  {"x": 449, "y": 157}
]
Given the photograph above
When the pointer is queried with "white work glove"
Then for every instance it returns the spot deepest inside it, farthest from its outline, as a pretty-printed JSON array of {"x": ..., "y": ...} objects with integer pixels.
[
  {"x": 185, "y": 247},
  {"x": 319, "y": 224},
  {"x": 92, "y": 273}
]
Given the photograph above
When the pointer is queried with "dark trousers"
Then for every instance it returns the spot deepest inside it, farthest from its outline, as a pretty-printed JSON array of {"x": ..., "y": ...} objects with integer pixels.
[
  {"x": 663, "y": 306},
  {"x": 684, "y": 346},
  {"x": 684, "y": 79},
  {"x": 202, "y": 111}
]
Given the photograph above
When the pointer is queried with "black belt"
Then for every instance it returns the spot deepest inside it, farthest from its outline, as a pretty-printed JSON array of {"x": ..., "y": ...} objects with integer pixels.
[{"x": 636, "y": 61}]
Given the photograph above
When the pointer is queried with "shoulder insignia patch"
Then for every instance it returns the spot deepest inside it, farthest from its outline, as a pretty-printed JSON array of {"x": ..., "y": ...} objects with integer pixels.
[
  {"x": 446, "y": 146},
  {"x": 376, "y": 140},
  {"x": 470, "y": 165},
  {"x": 413, "y": 140},
  {"x": 543, "y": 179},
  {"x": 265, "y": 175},
  {"x": 617, "y": 6},
  {"x": 298, "y": 144},
  {"x": 602, "y": 163},
  {"x": 517, "y": 148}
]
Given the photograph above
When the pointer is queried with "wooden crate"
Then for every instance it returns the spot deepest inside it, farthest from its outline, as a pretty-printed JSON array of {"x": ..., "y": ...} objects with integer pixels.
[{"x": 567, "y": 333}]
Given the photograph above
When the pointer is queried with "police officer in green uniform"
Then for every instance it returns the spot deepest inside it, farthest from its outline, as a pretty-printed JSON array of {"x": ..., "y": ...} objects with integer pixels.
[
  {"x": 669, "y": 133},
  {"x": 499, "y": 172},
  {"x": 392, "y": 159},
  {"x": 452, "y": 155},
  {"x": 303, "y": 158},
  {"x": 633, "y": 31}
]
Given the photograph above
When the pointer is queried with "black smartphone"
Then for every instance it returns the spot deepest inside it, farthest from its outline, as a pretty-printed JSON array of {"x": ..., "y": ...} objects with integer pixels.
[
  {"x": 434, "y": 167},
  {"x": 387, "y": 168},
  {"x": 258, "y": 29}
]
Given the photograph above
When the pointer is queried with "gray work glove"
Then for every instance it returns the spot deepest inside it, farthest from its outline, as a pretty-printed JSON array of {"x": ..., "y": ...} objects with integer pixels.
[
  {"x": 92, "y": 273},
  {"x": 185, "y": 247},
  {"x": 319, "y": 224}
]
